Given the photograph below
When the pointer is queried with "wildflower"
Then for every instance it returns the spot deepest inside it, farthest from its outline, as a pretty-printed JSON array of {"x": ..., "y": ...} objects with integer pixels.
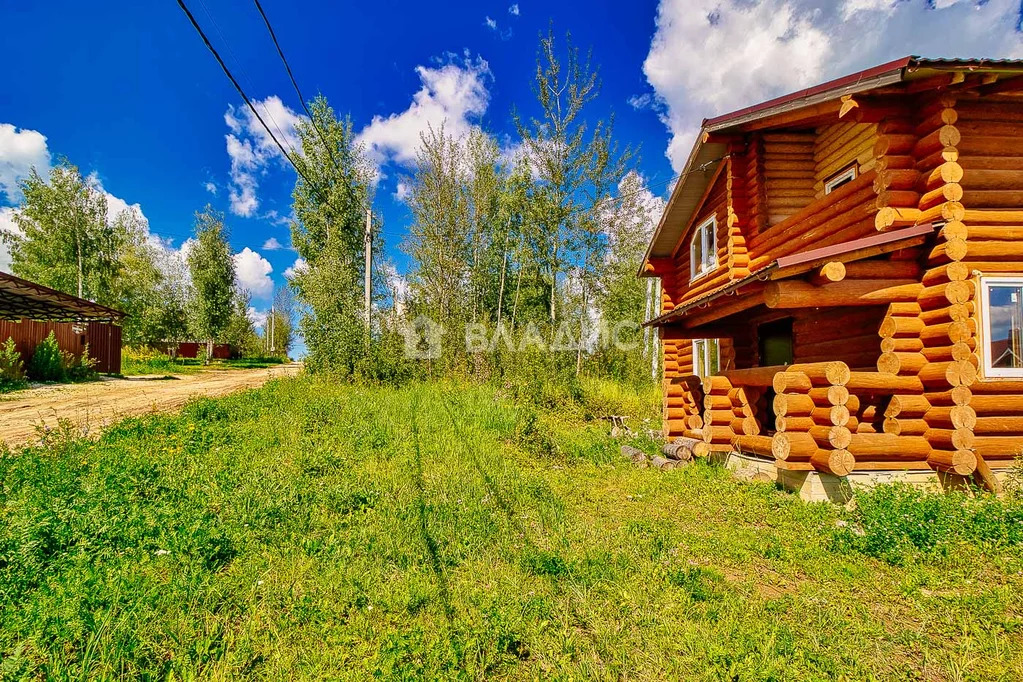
[{"x": 162, "y": 552}]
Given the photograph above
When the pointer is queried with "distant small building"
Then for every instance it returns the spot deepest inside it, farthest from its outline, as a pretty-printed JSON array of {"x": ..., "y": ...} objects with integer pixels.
[
  {"x": 30, "y": 311},
  {"x": 190, "y": 349}
]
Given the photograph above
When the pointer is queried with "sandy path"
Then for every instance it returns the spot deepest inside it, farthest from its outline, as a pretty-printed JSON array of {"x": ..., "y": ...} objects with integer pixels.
[{"x": 100, "y": 403}]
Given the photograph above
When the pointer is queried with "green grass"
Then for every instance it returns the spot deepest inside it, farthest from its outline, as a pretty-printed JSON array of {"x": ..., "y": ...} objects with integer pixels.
[
  {"x": 137, "y": 364},
  {"x": 313, "y": 530}
]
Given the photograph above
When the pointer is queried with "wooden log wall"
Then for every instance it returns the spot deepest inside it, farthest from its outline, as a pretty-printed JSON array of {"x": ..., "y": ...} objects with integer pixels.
[
  {"x": 717, "y": 431},
  {"x": 983, "y": 192},
  {"x": 683, "y": 407},
  {"x": 844, "y": 215},
  {"x": 845, "y": 334},
  {"x": 838, "y": 146},
  {"x": 788, "y": 173},
  {"x": 957, "y": 159},
  {"x": 941, "y": 323},
  {"x": 756, "y": 199},
  {"x": 812, "y": 417},
  {"x": 676, "y": 287},
  {"x": 737, "y": 212}
]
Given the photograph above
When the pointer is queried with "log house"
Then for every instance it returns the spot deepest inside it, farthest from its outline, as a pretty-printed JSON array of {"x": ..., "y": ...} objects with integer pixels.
[{"x": 841, "y": 276}]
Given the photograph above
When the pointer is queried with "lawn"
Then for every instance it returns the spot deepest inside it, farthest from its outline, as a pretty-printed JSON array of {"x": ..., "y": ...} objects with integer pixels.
[
  {"x": 313, "y": 530},
  {"x": 137, "y": 363}
]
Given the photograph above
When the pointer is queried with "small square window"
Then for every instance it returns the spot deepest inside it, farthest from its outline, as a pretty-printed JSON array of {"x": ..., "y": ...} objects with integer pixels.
[
  {"x": 838, "y": 179},
  {"x": 1002, "y": 318},
  {"x": 703, "y": 249},
  {"x": 706, "y": 353}
]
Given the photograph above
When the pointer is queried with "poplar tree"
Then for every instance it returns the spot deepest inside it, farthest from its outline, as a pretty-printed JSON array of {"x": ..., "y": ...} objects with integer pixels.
[
  {"x": 330, "y": 200},
  {"x": 213, "y": 277}
]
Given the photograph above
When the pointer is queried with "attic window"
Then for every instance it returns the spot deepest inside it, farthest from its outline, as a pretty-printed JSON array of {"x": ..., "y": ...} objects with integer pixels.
[
  {"x": 703, "y": 250},
  {"x": 840, "y": 178}
]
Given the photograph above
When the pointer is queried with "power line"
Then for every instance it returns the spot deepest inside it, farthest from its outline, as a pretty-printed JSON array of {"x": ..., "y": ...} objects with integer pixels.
[
  {"x": 241, "y": 68},
  {"x": 245, "y": 97},
  {"x": 294, "y": 83}
]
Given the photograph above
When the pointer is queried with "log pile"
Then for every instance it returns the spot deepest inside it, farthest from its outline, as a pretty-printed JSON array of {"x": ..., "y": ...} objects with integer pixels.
[{"x": 675, "y": 455}]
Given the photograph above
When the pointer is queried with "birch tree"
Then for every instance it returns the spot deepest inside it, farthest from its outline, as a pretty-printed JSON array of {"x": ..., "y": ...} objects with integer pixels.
[
  {"x": 576, "y": 163},
  {"x": 66, "y": 241}
]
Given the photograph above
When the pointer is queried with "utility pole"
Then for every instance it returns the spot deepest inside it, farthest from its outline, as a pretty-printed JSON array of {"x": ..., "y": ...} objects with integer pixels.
[
  {"x": 369, "y": 260},
  {"x": 273, "y": 331}
]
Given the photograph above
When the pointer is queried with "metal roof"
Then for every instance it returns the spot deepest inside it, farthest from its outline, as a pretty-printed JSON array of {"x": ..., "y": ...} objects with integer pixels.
[
  {"x": 704, "y": 157},
  {"x": 21, "y": 299}
]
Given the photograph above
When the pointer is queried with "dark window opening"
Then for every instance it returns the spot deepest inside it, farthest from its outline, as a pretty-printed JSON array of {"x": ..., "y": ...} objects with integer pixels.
[{"x": 774, "y": 347}]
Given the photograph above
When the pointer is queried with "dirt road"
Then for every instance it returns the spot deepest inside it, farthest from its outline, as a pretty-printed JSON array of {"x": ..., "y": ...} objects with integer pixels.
[{"x": 100, "y": 403}]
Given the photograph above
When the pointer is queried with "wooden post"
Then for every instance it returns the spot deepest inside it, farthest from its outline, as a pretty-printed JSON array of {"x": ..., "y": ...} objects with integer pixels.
[{"x": 368, "y": 244}]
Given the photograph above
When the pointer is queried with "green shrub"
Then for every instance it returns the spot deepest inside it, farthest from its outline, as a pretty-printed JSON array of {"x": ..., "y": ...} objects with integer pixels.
[
  {"x": 80, "y": 367},
  {"x": 47, "y": 363},
  {"x": 12, "y": 371},
  {"x": 898, "y": 523}
]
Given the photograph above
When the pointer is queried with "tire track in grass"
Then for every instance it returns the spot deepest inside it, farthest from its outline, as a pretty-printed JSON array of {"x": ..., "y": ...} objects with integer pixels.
[
  {"x": 488, "y": 480},
  {"x": 542, "y": 556},
  {"x": 424, "y": 530}
]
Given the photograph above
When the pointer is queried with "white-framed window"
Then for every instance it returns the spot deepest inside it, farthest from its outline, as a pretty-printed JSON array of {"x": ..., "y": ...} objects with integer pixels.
[
  {"x": 840, "y": 178},
  {"x": 1002, "y": 325},
  {"x": 706, "y": 354},
  {"x": 703, "y": 249}
]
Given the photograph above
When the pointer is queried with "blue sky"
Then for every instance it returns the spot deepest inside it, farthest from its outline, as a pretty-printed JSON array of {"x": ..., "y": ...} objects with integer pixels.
[{"x": 127, "y": 91}]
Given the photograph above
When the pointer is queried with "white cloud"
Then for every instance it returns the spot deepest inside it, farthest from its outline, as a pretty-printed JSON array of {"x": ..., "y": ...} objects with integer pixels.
[
  {"x": 211, "y": 187},
  {"x": 451, "y": 95},
  {"x": 20, "y": 151},
  {"x": 253, "y": 273},
  {"x": 641, "y": 101},
  {"x": 490, "y": 23},
  {"x": 8, "y": 225},
  {"x": 402, "y": 191},
  {"x": 272, "y": 244},
  {"x": 252, "y": 149},
  {"x": 514, "y": 9},
  {"x": 298, "y": 266},
  {"x": 258, "y": 317},
  {"x": 709, "y": 57}
]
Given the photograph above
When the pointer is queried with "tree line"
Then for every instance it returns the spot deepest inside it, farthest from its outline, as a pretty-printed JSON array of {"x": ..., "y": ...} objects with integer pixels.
[
  {"x": 66, "y": 239},
  {"x": 525, "y": 252},
  {"x": 534, "y": 245}
]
